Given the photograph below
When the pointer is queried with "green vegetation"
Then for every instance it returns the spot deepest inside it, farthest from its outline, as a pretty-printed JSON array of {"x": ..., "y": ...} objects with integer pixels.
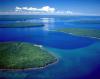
[
  {"x": 16, "y": 17},
  {"x": 17, "y": 55},
  {"x": 85, "y": 21},
  {"x": 21, "y": 24},
  {"x": 82, "y": 32}
]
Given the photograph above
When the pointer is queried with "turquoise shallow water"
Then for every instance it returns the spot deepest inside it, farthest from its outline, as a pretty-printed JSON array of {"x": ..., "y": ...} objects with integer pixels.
[
  {"x": 78, "y": 62},
  {"x": 79, "y": 57}
]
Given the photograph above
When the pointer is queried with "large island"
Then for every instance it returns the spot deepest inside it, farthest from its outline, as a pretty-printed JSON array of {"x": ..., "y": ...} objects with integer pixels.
[{"x": 21, "y": 55}]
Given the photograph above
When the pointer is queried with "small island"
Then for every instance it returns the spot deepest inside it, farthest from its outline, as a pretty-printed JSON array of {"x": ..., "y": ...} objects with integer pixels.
[
  {"x": 21, "y": 55},
  {"x": 93, "y": 33},
  {"x": 21, "y": 25}
]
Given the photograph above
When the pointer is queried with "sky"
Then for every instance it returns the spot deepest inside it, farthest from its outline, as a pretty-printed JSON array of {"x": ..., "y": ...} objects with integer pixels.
[{"x": 86, "y": 7}]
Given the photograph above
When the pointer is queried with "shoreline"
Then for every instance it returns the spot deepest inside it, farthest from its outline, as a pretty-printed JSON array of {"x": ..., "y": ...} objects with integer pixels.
[
  {"x": 76, "y": 34},
  {"x": 38, "y": 68},
  {"x": 83, "y": 36}
]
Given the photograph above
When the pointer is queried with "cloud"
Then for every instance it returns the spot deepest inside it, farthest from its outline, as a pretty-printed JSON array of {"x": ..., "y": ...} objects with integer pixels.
[
  {"x": 48, "y": 9},
  {"x": 66, "y": 12},
  {"x": 69, "y": 12},
  {"x": 45, "y": 10},
  {"x": 33, "y": 9},
  {"x": 42, "y": 10}
]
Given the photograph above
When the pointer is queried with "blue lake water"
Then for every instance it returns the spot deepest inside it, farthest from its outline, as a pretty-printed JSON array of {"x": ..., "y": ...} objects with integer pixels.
[{"x": 79, "y": 57}]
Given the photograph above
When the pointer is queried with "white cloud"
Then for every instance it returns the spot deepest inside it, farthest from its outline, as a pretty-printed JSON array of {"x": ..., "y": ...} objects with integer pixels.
[
  {"x": 48, "y": 9},
  {"x": 66, "y": 12},
  {"x": 40, "y": 11},
  {"x": 18, "y": 8},
  {"x": 43, "y": 9},
  {"x": 69, "y": 12}
]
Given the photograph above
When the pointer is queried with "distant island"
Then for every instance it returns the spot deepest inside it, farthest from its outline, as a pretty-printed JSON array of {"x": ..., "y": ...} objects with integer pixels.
[
  {"x": 21, "y": 55},
  {"x": 93, "y": 33},
  {"x": 85, "y": 21},
  {"x": 21, "y": 24}
]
